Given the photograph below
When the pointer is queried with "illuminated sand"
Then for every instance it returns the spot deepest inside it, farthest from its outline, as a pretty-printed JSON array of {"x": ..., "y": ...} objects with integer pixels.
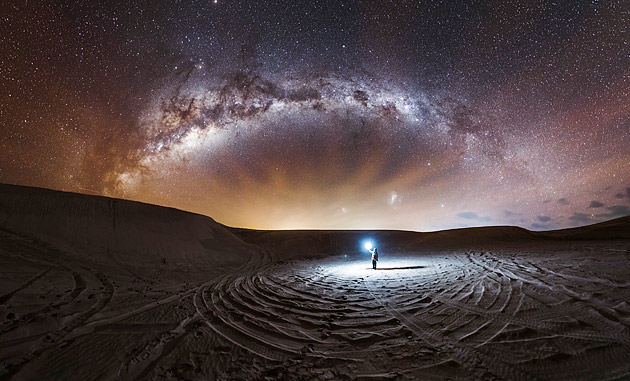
[
  {"x": 509, "y": 315},
  {"x": 518, "y": 309}
]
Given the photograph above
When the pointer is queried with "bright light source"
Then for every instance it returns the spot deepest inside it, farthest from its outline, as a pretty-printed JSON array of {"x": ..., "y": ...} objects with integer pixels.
[{"x": 368, "y": 245}]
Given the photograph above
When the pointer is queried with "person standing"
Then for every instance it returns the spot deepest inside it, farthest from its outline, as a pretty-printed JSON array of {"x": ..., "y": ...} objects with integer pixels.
[{"x": 374, "y": 252}]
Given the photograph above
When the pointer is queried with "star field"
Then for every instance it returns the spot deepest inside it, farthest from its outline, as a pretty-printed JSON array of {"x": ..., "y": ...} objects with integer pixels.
[{"x": 362, "y": 114}]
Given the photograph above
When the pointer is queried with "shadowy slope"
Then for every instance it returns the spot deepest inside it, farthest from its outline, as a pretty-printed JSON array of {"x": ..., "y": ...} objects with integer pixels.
[
  {"x": 103, "y": 228},
  {"x": 619, "y": 228}
]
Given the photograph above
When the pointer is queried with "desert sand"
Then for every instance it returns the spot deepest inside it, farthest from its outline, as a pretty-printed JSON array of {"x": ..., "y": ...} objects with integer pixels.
[{"x": 93, "y": 288}]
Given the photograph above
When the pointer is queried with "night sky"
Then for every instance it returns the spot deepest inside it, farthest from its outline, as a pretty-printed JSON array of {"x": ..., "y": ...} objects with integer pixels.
[{"x": 418, "y": 115}]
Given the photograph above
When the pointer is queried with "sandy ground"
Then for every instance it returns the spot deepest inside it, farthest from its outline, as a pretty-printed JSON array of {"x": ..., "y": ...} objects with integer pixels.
[
  {"x": 305, "y": 305},
  {"x": 555, "y": 312}
]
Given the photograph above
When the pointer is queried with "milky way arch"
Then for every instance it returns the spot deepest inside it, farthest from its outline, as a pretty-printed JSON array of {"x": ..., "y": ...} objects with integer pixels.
[{"x": 304, "y": 140}]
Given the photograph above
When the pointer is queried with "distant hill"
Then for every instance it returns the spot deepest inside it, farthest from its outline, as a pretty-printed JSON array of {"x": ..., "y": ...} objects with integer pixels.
[
  {"x": 288, "y": 243},
  {"x": 619, "y": 228},
  {"x": 142, "y": 234}
]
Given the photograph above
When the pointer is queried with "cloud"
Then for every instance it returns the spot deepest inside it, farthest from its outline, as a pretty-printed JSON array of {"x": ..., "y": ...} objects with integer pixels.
[
  {"x": 563, "y": 201},
  {"x": 581, "y": 219},
  {"x": 509, "y": 213},
  {"x": 624, "y": 195},
  {"x": 544, "y": 218},
  {"x": 538, "y": 226},
  {"x": 468, "y": 215},
  {"x": 473, "y": 216},
  {"x": 596, "y": 204},
  {"x": 615, "y": 211}
]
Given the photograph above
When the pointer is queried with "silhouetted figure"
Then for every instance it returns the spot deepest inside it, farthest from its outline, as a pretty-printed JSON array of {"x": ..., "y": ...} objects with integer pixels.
[{"x": 374, "y": 252}]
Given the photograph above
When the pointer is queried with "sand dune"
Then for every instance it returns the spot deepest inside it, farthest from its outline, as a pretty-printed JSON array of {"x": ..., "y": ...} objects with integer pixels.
[
  {"x": 96, "y": 288},
  {"x": 613, "y": 229},
  {"x": 127, "y": 231}
]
